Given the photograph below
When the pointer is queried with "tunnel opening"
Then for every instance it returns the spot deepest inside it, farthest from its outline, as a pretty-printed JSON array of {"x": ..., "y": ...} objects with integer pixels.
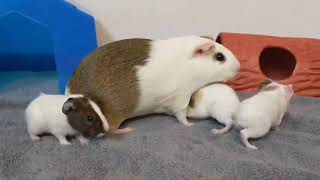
[{"x": 277, "y": 63}]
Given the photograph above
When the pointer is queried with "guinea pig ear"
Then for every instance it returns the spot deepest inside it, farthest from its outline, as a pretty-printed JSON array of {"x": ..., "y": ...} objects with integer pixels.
[
  {"x": 208, "y": 37},
  {"x": 68, "y": 106},
  {"x": 206, "y": 48}
]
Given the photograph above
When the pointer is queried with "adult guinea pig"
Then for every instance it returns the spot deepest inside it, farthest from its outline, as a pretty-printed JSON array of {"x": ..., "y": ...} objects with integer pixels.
[
  {"x": 134, "y": 77},
  {"x": 263, "y": 111},
  {"x": 216, "y": 100},
  {"x": 63, "y": 115}
]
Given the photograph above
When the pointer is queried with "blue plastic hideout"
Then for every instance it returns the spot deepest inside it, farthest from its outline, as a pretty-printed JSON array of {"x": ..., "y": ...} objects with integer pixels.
[{"x": 44, "y": 35}]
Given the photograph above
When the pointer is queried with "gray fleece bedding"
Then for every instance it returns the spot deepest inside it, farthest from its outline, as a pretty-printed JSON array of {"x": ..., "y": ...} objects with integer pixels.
[{"x": 160, "y": 148}]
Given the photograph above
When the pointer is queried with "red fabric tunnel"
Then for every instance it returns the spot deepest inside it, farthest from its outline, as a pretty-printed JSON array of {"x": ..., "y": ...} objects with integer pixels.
[{"x": 286, "y": 60}]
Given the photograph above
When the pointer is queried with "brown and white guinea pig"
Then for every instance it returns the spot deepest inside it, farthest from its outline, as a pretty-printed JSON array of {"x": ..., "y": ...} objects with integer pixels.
[
  {"x": 134, "y": 77},
  {"x": 63, "y": 115},
  {"x": 265, "y": 110}
]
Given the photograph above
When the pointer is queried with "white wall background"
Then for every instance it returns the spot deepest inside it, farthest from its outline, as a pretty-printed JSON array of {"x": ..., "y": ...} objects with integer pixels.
[{"x": 118, "y": 19}]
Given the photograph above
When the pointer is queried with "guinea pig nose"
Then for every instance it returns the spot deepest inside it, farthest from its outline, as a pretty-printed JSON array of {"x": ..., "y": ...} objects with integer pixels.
[{"x": 237, "y": 66}]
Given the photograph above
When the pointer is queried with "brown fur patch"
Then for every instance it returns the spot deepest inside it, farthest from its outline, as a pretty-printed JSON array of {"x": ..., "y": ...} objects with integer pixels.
[
  {"x": 195, "y": 98},
  {"x": 108, "y": 77}
]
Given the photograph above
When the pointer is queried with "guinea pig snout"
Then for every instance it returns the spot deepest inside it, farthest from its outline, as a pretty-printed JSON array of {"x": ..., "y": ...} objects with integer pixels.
[
  {"x": 289, "y": 90},
  {"x": 233, "y": 72},
  {"x": 237, "y": 66},
  {"x": 90, "y": 133}
]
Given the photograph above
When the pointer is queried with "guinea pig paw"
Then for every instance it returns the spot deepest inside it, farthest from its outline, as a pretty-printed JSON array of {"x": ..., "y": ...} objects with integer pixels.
[
  {"x": 83, "y": 141},
  {"x": 35, "y": 138},
  {"x": 100, "y": 135},
  {"x": 123, "y": 130},
  {"x": 252, "y": 147},
  {"x": 189, "y": 124},
  {"x": 216, "y": 132},
  {"x": 63, "y": 141},
  {"x": 276, "y": 128}
]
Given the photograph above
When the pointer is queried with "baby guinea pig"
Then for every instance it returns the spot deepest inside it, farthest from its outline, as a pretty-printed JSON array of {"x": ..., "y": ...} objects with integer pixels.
[
  {"x": 263, "y": 111},
  {"x": 216, "y": 100},
  {"x": 63, "y": 115}
]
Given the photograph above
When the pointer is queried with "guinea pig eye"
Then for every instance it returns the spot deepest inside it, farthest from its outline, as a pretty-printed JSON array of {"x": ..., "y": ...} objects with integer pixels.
[
  {"x": 90, "y": 118},
  {"x": 220, "y": 57}
]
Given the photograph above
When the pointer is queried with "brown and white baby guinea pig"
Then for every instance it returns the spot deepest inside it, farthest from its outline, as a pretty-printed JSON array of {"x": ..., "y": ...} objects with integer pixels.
[
  {"x": 63, "y": 115},
  {"x": 84, "y": 116}
]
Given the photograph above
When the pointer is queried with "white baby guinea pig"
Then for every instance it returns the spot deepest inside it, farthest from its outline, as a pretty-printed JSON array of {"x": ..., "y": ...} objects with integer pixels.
[
  {"x": 263, "y": 111},
  {"x": 63, "y": 115},
  {"x": 216, "y": 100}
]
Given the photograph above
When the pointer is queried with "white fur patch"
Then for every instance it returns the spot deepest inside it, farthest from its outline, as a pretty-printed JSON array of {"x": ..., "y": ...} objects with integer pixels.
[
  {"x": 172, "y": 74},
  {"x": 75, "y": 96},
  {"x": 100, "y": 114},
  {"x": 42, "y": 94}
]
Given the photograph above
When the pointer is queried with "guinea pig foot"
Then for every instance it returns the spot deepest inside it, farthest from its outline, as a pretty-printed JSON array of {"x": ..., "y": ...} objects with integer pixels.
[
  {"x": 222, "y": 130},
  {"x": 189, "y": 124},
  {"x": 100, "y": 135},
  {"x": 252, "y": 147},
  {"x": 35, "y": 138},
  {"x": 277, "y": 128},
  {"x": 215, "y": 131},
  {"x": 83, "y": 140},
  {"x": 63, "y": 141},
  {"x": 186, "y": 123},
  {"x": 123, "y": 130},
  {"x": 181, "y": 116},
  {"x": 67, "y": 143},
  {"x": 244, "y": 135}
]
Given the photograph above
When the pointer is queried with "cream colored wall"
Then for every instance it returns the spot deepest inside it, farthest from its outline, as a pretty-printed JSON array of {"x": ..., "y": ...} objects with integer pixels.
[{"x": 118, "y": 19}]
